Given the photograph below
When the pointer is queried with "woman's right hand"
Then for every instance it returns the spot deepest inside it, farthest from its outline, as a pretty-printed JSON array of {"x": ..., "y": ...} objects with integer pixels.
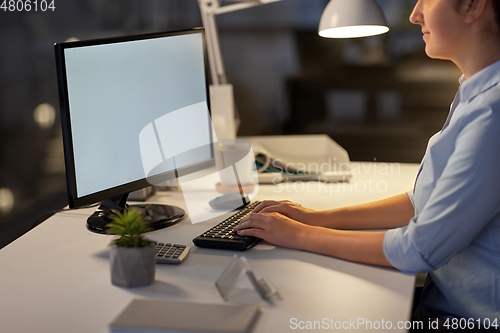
[{"x": 291, "y": 210}]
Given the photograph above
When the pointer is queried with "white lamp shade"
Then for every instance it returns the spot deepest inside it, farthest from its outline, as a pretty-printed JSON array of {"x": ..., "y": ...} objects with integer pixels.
[{"x": 352, "y": 18}]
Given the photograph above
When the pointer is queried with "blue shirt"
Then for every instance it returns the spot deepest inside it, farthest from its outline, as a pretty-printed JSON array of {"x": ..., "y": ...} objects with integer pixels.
[{"x": 455, "y": 233}]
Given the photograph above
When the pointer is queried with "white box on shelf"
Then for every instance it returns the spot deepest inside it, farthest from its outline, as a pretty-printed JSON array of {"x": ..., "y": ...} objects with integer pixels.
[{"x": 318, "y": 157}]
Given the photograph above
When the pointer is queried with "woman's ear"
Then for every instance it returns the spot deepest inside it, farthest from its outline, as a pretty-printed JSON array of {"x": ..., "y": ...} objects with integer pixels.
[{"x": 474, "y": 9}]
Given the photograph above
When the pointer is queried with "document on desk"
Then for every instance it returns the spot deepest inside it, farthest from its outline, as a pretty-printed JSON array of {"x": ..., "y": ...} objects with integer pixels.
[{"x": 153, "y": 316}]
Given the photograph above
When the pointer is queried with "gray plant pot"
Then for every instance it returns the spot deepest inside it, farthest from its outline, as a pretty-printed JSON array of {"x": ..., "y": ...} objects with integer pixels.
[{"x": 132, "y": 266}]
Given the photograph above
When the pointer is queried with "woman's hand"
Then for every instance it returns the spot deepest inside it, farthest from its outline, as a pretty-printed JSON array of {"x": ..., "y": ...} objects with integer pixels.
[
  {"x": 274, "y": 228},
  {"x": 291, "y": 210}
]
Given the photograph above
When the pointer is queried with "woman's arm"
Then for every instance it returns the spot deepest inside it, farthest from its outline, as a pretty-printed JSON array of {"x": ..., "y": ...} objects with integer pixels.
[
  {"x": 388, "y": 213},
  {"x": 359, "y": 246}
]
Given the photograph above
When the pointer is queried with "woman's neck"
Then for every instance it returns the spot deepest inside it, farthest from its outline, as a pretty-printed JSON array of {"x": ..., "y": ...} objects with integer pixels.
[
  {"x": 471, "y": 67},
  {"x": 478, "y": 52}
]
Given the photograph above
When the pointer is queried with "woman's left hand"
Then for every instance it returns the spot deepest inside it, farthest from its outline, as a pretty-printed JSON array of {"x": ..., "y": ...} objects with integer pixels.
[{"x": 274, "y": 228}]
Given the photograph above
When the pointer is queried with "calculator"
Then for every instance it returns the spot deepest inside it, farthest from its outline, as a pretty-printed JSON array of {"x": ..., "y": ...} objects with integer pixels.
[{"x": 167, "y": 253}]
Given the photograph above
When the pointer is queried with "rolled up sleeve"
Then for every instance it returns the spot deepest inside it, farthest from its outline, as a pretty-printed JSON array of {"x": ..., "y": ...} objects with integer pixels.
[
  {"x": 410, "y": 196},
  {"x": 402, "y": 253}
]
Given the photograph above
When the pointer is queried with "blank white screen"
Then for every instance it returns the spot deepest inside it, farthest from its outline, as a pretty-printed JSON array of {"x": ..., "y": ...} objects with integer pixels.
[{"x": 115, "y": 90}]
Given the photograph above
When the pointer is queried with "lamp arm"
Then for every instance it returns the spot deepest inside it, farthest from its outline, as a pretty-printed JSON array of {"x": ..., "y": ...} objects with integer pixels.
[
  {"x": 214, "y": 53},
  {"x": 239, "y": 6},
  {"x": 209, "y": 9}
]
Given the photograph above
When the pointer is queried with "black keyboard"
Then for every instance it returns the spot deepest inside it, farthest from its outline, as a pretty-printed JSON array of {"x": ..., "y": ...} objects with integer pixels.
[{"x": 222, "y": 235}]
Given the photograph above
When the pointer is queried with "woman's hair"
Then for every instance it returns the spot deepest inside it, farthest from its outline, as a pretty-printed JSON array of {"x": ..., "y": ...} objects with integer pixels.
[{"x": 496, "y": 8}]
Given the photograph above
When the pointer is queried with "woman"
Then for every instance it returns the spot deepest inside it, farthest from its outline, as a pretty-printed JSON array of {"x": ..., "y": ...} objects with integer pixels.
[{"x": 449, "y": 224}]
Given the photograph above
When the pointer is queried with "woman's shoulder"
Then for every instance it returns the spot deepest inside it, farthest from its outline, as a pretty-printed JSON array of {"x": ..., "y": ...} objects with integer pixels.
[
  {"x": 491, "y": 97},
  {"x": 485, "y": 105},
  {"x": 478, "y": 121}
]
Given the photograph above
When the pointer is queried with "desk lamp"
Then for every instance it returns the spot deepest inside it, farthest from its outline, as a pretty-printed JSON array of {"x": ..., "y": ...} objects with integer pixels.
[{"x": 340, "y": 19}]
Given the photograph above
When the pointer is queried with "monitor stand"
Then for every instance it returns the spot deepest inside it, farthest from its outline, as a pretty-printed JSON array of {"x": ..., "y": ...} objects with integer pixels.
[{"x": 158, "y": 216}]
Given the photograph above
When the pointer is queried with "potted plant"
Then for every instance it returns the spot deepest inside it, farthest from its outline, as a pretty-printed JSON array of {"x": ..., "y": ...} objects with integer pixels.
[{"x": 132, "y": 256}]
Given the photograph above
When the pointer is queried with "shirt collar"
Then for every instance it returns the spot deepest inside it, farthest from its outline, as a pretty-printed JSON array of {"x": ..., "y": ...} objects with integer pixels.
[{"x": 479, "y": 82}]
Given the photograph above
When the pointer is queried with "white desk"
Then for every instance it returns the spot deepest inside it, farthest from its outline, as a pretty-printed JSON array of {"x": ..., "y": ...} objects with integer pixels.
[{"x": 56, "y": 277}]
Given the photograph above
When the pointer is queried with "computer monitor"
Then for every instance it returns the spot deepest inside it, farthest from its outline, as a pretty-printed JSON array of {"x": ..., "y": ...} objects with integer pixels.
[{"x": 133, "y": 108}]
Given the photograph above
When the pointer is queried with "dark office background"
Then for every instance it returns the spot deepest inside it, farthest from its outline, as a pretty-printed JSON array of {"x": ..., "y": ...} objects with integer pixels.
[{"x": 379, "y": 97}]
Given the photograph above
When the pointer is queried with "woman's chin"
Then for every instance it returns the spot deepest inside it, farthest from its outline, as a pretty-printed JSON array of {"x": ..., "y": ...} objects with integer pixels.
[{"x": 435, "y": 54}]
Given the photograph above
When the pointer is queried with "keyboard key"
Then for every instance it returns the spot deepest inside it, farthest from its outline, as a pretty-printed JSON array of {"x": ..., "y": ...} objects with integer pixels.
[{"x": 222, "y": 236}]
